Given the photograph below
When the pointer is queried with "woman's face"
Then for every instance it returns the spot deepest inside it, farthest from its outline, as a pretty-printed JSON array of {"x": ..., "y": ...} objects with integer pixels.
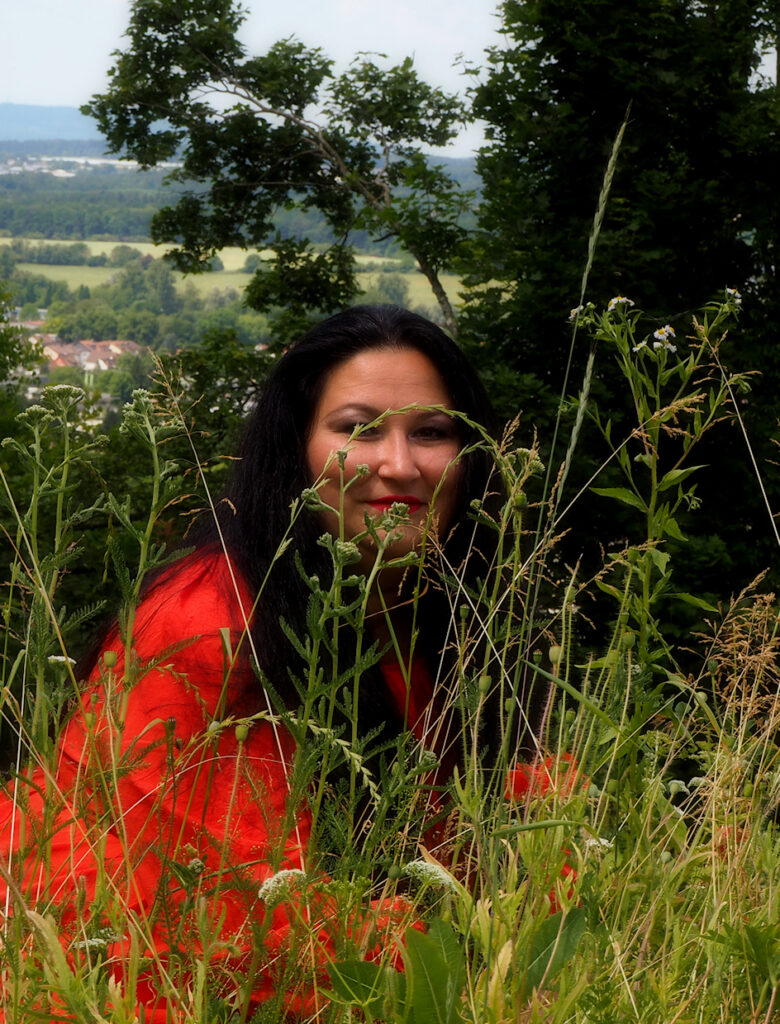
[{"x": 408, "y": 454}]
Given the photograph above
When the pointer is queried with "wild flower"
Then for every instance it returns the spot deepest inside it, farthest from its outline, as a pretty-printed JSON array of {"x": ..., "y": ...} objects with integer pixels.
[
  {"x": 734, "y": 296},
  {"x": 347, "y": 552},
  {"x": 275, "y": 888},
  {"x": 619, "y": 300},
  {"x": 662, "y": 336},
  {"x": 597, "y": 843},
  {"x": 426, "y": 873},
  {"x": 574, "y": 312},
  {"x": 528, "y": 460},
  {"x": 98, "y": 942}
]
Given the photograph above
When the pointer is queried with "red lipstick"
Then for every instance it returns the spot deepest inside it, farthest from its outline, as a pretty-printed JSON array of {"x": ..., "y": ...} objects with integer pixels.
[{"x": 383, "y": 504}]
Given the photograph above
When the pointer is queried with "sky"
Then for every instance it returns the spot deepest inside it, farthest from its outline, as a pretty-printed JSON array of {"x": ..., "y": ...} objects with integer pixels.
[{"x": 57, "y": 52}]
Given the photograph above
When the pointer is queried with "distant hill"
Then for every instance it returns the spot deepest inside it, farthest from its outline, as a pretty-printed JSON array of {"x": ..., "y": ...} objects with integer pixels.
[
  {"x": 27, "y": 123},
  {"x": 49, "y": 127}
]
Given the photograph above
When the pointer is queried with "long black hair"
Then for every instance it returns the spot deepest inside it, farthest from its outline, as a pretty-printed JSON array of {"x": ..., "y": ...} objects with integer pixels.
[{"x": 272, "y": 472}]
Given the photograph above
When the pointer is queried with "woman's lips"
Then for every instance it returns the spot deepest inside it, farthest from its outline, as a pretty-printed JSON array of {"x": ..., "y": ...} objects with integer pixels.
[{"x": 383, "y": 504}]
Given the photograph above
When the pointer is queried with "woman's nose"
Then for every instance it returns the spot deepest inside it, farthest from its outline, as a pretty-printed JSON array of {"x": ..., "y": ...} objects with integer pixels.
[{"x": 397, "y": 461}]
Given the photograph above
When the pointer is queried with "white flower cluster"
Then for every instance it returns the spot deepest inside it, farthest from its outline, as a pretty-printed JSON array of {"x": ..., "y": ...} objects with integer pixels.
[
  {"x": 619, "y": 300},
  {"x": 663, "y": 340},
  {"x": 734, "y": 295},
  {"x": 425, "y": 873},
  {"x": 597, "y": 843},
  {"x": 278, "y": 886}
]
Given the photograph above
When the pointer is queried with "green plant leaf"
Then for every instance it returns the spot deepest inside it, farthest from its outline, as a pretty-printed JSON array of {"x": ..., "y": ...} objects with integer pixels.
[
  {"x": 621, "y": 494},
  {"x": 676, "y": 476},
  {"x": 367, "y": 985},
  {"x": 553, "y": 946},
  {"x": 659, "y": 558},
  {"x": 697, "y": 602},
  {"x": 435, "y": 972},
  {"x": 671, "y": 529}
]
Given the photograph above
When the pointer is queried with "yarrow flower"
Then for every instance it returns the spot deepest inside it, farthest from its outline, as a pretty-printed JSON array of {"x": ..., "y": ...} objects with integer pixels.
[
  {"x": 598, "y": 844},
  {"x": 663, "y": 336},
  {"x": 619, "y": 300},
  {"x": 278, "y": 886},
  {"x": 425, "y": 873}
]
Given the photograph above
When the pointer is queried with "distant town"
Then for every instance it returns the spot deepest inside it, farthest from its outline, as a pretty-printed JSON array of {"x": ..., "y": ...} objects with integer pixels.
[{"x": 68, "y": 166}]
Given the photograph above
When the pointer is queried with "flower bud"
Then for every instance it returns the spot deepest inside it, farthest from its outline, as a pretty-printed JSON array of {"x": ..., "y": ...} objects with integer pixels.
[{"x": 109, "y": 658}]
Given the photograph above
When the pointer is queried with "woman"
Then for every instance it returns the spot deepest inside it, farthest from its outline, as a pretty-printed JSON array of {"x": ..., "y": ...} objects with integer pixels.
[{"x": 180, "y": 777}]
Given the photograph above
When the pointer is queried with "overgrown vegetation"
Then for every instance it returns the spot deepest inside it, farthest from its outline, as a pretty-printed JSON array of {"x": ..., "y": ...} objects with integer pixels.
[
  {"x": 629, "y": 870},
  {"x": 610, "y": 880}
]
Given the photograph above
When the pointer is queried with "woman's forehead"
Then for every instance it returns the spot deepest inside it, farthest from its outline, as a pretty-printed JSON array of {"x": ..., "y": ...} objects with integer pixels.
[{"x": 384, "y": 378}]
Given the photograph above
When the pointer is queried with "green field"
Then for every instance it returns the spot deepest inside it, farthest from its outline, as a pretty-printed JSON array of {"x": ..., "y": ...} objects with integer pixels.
[
  {"x": 72, "y": 276},
  {"x": 232, "y": 257},
  {"x": 231, "y": 278}
]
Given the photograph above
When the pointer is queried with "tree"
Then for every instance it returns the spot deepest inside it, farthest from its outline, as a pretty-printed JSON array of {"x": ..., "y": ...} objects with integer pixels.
[
  {"x": 693, "y": 207},
  {"x": 133, "y": 370},
  {"x": 161, "y": 288},
  {"x": 358, "y": 162},
  {"x": 17, "y": 356},
  {"x": 15, "y": 352}
]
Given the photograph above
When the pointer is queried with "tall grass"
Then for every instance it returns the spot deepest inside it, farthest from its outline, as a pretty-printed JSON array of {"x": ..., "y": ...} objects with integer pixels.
[{"x": 632, "y": 870}]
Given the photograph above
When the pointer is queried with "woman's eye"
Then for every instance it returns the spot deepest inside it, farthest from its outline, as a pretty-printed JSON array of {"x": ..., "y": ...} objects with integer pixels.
[
  {"x": 358, "y": 429},
  {"x": 435, "y": 433}
]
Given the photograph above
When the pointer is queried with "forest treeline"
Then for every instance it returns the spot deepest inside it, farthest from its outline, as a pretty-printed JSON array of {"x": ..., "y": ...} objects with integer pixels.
[{"x": 109, "y": 203}]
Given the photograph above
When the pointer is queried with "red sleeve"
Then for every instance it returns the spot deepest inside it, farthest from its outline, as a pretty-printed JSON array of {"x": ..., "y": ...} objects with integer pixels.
[{"x": 154, "y": 799}]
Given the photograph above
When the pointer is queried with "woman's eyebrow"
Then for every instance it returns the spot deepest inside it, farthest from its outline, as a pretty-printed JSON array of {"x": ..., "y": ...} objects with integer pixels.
[
  {"x": 356, "y": 409},
  {"x": 374, "y": 412}
]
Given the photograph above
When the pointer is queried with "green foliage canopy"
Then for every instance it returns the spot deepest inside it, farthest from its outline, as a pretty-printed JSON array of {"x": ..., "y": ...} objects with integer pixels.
[
  {"x": 242, "y": 128},
  {"x": 693, "y": 208}
]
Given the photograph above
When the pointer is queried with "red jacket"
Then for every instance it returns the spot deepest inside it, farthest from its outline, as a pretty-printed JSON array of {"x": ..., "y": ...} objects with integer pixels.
[{"x": 155, "y": 800}]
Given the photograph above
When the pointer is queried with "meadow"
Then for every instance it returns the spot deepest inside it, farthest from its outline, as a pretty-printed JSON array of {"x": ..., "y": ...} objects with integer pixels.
[
  {"x": 626, "y": 868},
  {"x": 231, "y": 278}
]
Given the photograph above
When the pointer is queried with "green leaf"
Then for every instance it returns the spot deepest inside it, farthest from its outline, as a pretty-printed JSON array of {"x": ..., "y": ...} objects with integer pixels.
[
  {"x": 671, "y": 529},
  {"x": 697, "y": 602},
  {"x": 122, "y": 513},
  {"x": 553, "y": 947},
  {"x": 367, "y": 985},
  {"x": 609, "y": 589},
  {"x": 435, "y": 969},
  {"x": 660, "y": 558},
  {"x": 676, "y": 476},
  {"x": 621, "y": 494}
]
